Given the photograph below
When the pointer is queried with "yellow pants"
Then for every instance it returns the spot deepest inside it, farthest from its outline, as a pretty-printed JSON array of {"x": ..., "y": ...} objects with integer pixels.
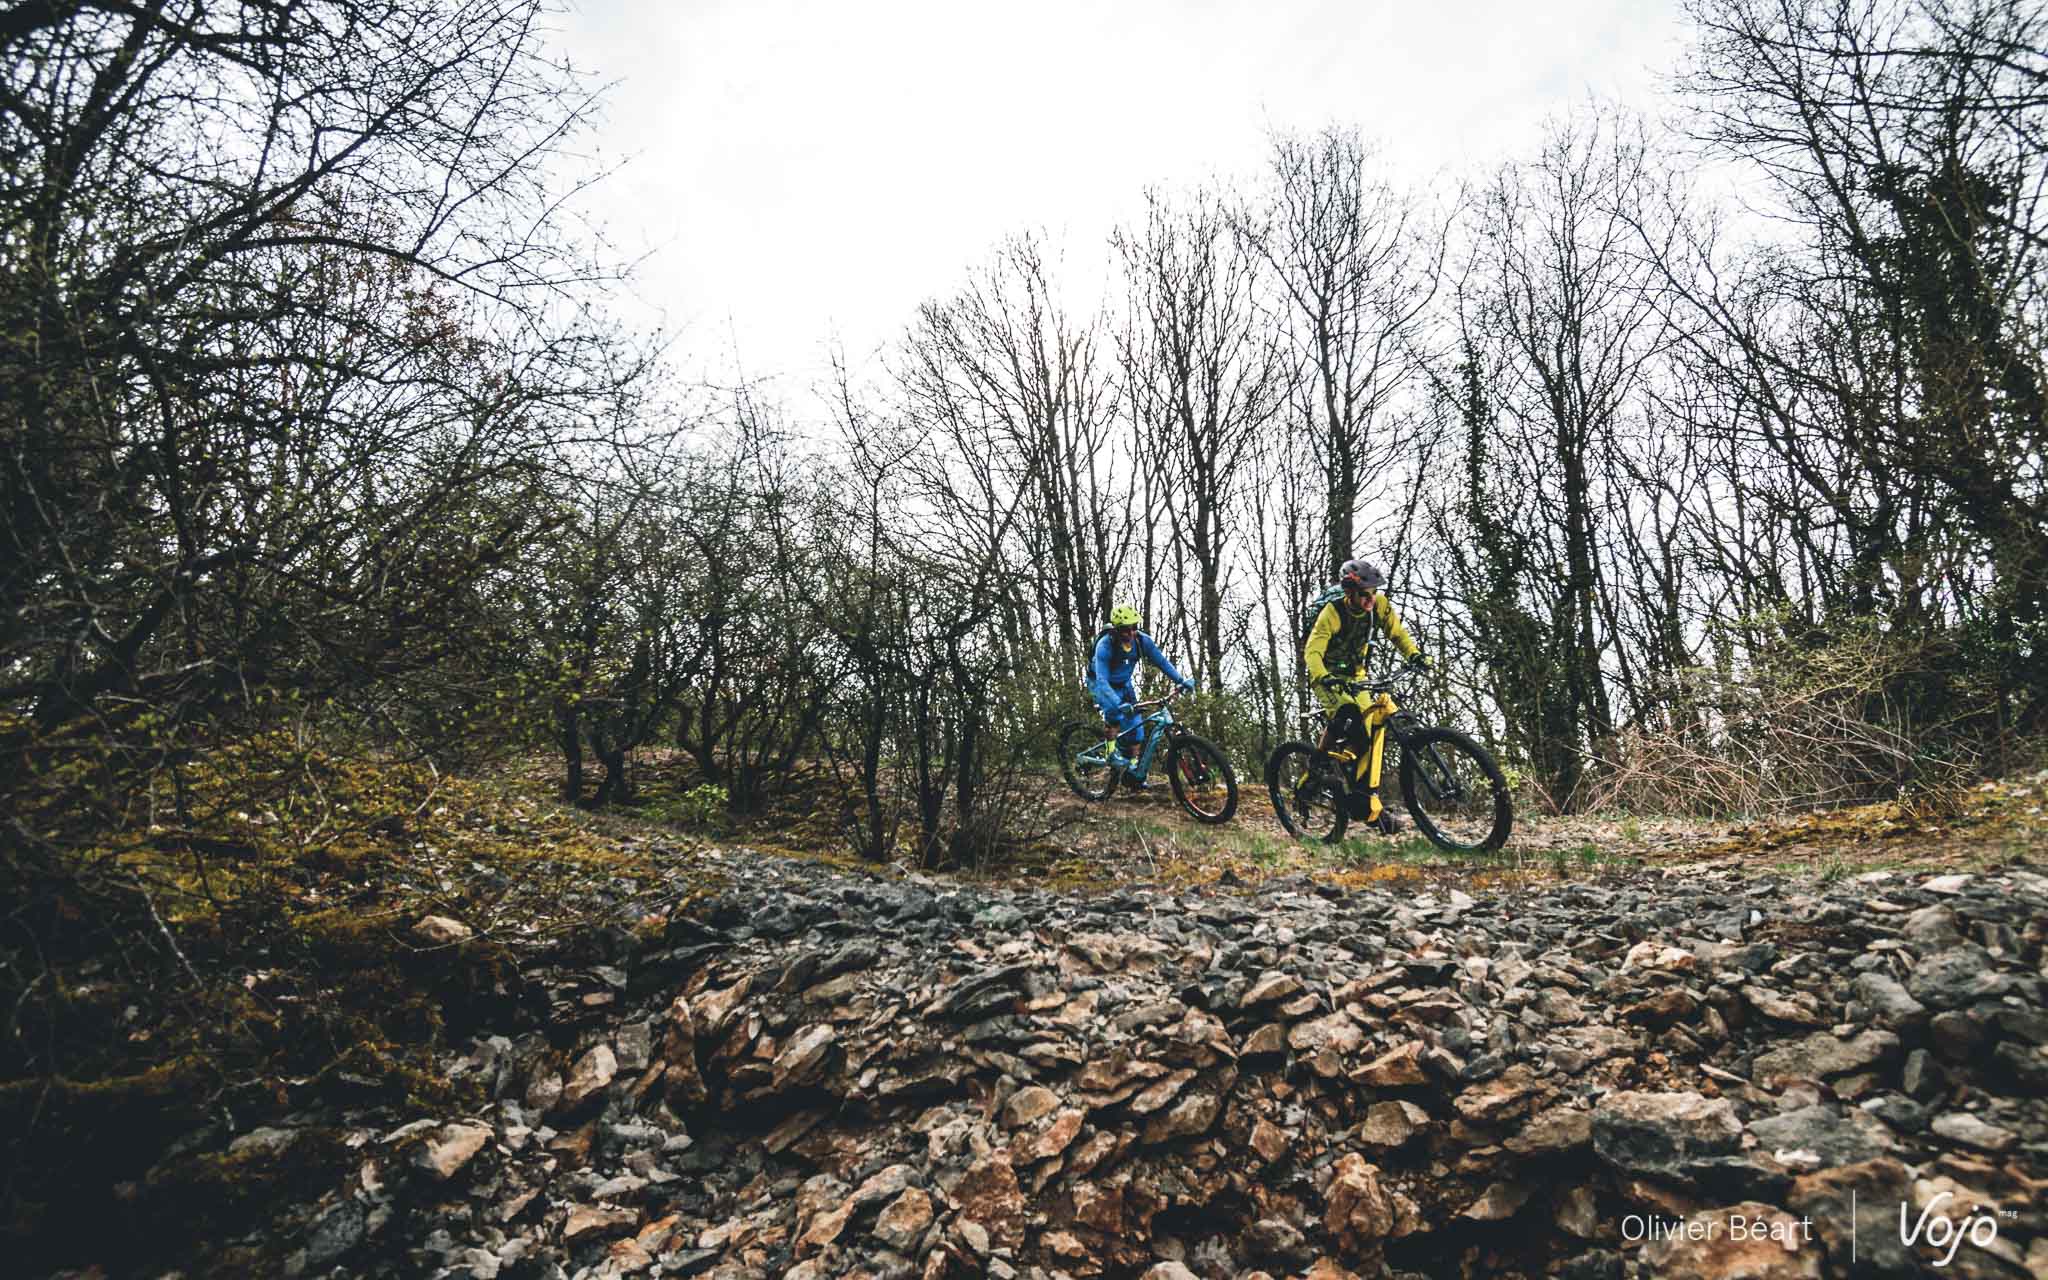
[{"x": 1372, "y": 711}]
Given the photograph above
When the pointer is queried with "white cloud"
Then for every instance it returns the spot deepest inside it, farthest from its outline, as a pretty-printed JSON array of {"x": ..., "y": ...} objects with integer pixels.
[{"x": 801, "y": 167}]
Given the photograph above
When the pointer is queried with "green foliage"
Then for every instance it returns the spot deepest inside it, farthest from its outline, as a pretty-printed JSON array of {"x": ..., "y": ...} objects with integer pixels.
[
  {"x": 1377, "y": 850},
  {"x": 702, "y": 806},
  {"x": 242, "y": 939},
  {"x": 1567, "y": 861}
]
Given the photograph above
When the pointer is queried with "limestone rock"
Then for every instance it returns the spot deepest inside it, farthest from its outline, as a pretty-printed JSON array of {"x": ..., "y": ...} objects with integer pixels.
[
  {"x": 1029, "y": 1104},
  {"x": 592, "y": 1073},
  {"x": 1960, "y": 1126},
  {"x": 1666, "y": 1134},
  {"x": 1557, "y": 1130},
  {"x": 1399, "y": 1066},
  {"x": 1357, "y": 1208},
  {"x": 598, "y": 1221},
  {"x": 1822, "y": 1056},
  {"x": 442, "y": 931},
  {"x": 803, "y": 1059},
  {"x": 1815, "y": 1137},
  {"x": 902, "y": 1224},
  {"x": 1500, "y": 1201},
  {"x": 450, "y": 1150},
  {"x": 988, "y": 1196},
  {"x": 1392, "y": 1124}
]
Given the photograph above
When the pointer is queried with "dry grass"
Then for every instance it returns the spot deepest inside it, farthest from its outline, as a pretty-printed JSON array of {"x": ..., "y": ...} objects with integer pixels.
[{"x": 1814, "y": 730}]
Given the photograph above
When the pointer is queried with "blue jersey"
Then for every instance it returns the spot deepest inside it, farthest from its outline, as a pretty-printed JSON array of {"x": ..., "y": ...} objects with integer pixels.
[{"x": 1113, "y": 666}]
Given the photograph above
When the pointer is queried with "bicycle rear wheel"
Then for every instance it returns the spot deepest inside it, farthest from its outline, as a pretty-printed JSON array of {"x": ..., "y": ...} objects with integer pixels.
[
  {"x": 1307, "y": 789},
  {"x": 1084, "y": 760},
  {"x": 1456, "y": 791},
  {"x": 1202, "y": 778}
]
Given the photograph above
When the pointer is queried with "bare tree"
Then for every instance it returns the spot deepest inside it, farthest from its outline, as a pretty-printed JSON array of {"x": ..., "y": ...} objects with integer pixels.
[
  {"x": 1008, "y": 350},
  {"x": 1904, "y": 139},
  {"x": 1359, "y": 269},
  {"x": 1566, "y": 328},
  {"x": 1202, "y": 376},
  {"x": 287, "y": 369}
]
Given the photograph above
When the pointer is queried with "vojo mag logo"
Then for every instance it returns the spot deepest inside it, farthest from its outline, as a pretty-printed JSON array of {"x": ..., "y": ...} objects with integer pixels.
[{"x": 1944, "y": 1234}]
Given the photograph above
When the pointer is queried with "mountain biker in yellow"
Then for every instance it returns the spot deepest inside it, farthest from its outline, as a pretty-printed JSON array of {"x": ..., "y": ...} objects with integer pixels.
[
  {"x": 1111, "y": 666},
  {"x": 1339, "y": 643}
]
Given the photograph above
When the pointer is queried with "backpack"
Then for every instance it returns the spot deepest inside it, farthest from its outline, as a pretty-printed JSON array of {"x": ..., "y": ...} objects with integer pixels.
[
  {"x": 1088, "y": 661},
  {"x": 1314, "y": 609}
]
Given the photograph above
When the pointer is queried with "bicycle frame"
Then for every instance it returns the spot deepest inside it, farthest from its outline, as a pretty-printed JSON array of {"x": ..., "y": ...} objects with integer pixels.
[
  {"x": 1380, "y": 716},
  {"x": 1152, "y": 731},
  {"x": 1449, "y": 781}
]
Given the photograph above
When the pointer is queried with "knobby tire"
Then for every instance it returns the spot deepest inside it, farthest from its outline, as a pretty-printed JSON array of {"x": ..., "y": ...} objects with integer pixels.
[
  {"x": 1090, "y": 780},
  {"x": 1197, "y": 770},
  {"x": 1477, "y": 813},
  {"x": 1308, "y": 792}
]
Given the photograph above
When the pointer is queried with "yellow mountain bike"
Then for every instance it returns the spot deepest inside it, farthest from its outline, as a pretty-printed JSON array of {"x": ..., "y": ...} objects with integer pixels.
[{"x": 1450, "y": 783}]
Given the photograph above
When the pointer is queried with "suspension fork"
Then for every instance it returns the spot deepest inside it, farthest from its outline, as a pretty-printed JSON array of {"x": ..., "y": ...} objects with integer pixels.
[{"x": 1377, "y": 713}]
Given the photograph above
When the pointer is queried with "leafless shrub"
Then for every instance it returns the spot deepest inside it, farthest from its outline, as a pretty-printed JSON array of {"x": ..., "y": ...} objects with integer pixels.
[{"x": 1863, "y": 718}]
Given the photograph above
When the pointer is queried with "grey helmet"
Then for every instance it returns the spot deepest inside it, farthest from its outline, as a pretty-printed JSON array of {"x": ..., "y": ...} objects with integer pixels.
[{"x": 1363, "y": 572}]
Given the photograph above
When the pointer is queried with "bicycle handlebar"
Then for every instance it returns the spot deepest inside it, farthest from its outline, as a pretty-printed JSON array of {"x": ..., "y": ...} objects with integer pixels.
[
  {"x": 1150, "y": 703},
  {"x": 1386, "y": 685}
]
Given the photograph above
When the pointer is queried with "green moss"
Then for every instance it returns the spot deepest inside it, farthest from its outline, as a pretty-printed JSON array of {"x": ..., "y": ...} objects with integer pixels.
[
  {"x": 49, "y": 1099},
  {"x": 291, "y": 881},
  {"x": 78, "y": 1138},
  {"x": 222, "y": 1194}
]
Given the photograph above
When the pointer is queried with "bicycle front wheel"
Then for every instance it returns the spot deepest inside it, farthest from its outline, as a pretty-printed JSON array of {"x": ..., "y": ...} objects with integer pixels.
[
  {"x": 1307, "y": 789},
  {"x": 1084, "y": 761},
  {"x": 1455, "y": 791},
  {"x": 1202, "y": 778}
]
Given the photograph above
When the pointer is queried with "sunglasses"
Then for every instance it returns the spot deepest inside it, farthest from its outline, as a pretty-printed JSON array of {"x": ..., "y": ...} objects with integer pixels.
[{"x": 1126, "y": 632}]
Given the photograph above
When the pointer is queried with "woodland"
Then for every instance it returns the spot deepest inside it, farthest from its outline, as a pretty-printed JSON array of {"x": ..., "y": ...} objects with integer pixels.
[
  {"x": 1706, "y": 455},
  {"x": 315, "y": 420}
]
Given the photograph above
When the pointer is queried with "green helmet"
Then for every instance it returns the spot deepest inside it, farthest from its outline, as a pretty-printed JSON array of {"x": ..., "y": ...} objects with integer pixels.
[{"x": 1123, "y": 616}]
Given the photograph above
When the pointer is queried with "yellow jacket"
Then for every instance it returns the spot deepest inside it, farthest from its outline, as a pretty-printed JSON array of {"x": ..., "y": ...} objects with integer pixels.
[{"x": 1340, "y": 640}]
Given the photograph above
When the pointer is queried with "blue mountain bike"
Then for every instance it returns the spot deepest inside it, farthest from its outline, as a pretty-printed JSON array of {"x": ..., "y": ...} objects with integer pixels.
[{"x": 1202, "y": 779}]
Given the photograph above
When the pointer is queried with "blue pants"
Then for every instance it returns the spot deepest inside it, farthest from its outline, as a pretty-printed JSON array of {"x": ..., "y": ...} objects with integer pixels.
[{"x": 1114, "y": 703}]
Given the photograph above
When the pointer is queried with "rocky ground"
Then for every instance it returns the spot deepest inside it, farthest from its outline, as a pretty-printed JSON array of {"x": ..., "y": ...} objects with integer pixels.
[{"x": 826, "y": 1073}]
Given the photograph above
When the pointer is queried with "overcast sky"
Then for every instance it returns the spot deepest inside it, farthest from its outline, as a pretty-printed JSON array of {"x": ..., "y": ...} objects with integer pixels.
[{"x": 805, "y": 170}]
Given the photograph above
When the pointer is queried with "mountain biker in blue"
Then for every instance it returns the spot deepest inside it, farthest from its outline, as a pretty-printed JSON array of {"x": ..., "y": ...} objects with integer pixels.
[{"x": 1115, "y": 661}]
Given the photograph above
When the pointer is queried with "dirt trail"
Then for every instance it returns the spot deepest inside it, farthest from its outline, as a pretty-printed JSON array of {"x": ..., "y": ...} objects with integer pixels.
[{"x": 1146, "y": 835}]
